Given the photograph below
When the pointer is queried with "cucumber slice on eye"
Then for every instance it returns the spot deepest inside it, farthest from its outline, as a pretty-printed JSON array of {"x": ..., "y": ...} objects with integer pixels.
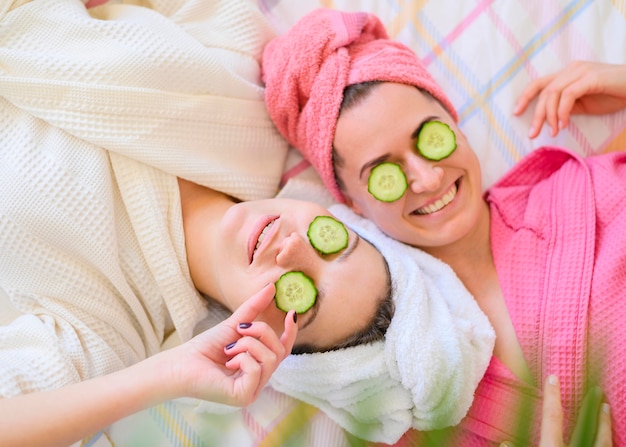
[
  {"x": 387, "y": 182},
  {"x": 436, "y": 140},
  {"x": 327, "y": 235},
  {"x": 295, "y": 290}
]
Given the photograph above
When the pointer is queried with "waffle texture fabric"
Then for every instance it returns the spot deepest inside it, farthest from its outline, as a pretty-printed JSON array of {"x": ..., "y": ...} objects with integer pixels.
[
  {"x": 557, "y": 232},
  {"x": 100, "y": 111}
]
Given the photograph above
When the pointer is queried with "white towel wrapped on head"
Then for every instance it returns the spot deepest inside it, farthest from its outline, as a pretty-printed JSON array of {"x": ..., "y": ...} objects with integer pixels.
[{"x": 423, "y": 375}]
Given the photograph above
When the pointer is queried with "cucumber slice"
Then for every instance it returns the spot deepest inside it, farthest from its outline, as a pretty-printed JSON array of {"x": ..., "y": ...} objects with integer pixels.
[
  {"x": 436, "y": 140},
  {"x": 295, "y": 290},
  {"x": 387, "y": 182},
  {"x": 327, "y": 235}
]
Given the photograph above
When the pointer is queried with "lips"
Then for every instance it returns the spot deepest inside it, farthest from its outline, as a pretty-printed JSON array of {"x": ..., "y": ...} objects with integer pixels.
[
  {"x": 440, "y": 203},
  {"x": 258, "y": 235}
]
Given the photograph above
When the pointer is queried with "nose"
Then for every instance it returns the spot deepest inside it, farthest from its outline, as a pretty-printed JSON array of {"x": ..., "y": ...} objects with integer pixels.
[
  {"x": 423, "y": 175},
  {"x": 295, "y": 252}
]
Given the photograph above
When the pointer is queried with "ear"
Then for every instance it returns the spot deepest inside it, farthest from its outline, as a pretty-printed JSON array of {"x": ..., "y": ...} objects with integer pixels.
[{"x": 353, "y": 206}]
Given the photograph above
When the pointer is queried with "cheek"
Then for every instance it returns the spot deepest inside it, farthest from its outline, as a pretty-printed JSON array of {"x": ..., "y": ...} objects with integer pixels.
[
  {"x": 274, "y": 317},
  {"x": 393, "y": 225},
  {"x": 389, "y": 217}
]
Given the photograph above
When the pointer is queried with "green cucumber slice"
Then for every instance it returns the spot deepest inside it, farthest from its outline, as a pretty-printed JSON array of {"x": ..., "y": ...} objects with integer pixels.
[
  {"x": 436, "y": 140},
  {"x": 327, "y": 235},
  {"x": 295, "y": 290},
  {"x": 387, "y": 182}
]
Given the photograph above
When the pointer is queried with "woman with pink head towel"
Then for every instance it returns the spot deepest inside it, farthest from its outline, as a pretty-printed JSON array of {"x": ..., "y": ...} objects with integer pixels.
[
  {"x": 541, "y": 251},
  {"x": 306, "y": 71}
]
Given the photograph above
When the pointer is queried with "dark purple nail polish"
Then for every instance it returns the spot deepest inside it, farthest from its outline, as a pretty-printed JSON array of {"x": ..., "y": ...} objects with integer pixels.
[
  {"x": 295, "y": 317},
  {"x": 230, "y": 346},
  {"x": 244, "y": 325}
]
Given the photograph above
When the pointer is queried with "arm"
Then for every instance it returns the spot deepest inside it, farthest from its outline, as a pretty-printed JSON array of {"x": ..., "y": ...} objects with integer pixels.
[
  {"x": 582, "y": 87},
  {"x": 209, "y": 366}
]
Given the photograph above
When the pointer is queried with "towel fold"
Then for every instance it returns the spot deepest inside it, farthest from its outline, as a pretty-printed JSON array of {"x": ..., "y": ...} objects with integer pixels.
[{"x": 423, "y": 375}]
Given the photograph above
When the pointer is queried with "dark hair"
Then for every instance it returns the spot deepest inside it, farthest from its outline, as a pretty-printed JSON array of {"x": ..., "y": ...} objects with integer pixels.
[{"x": 374, "y": 330}]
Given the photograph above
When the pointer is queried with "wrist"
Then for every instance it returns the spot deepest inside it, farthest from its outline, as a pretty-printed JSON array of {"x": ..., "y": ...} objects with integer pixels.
[{"x": 158, "y": 379}]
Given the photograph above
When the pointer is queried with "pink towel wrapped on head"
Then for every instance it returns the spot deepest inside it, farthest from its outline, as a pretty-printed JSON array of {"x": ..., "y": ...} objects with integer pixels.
[{"x": 307, "y": 69}]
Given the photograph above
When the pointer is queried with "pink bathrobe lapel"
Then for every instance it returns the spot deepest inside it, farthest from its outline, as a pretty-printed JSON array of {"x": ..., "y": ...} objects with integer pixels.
[{"x": 543, "y": 239}]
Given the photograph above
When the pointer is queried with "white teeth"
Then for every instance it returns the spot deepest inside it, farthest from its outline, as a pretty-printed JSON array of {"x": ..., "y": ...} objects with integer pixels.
[
  {"x": 436, "y": 206},
  {"x": 262, "y": 235}
]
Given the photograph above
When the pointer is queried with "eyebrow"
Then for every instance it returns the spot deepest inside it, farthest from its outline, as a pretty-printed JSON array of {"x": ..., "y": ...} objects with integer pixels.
[
  {"x": 417, "y": 130},
  {"x": 372, "y": 163},
  {"x": 382, "y": 158},
  {"x": 320, "y": 291},
  {"x": 316, "y": 307},
  {"x": 349, "y": 249}
]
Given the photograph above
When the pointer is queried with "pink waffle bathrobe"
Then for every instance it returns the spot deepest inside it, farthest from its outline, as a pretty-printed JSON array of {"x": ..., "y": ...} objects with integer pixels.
[{"x": 558, "y": 233}]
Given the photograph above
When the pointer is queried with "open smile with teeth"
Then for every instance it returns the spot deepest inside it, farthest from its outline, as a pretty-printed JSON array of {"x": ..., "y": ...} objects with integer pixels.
[
  {"x": 262, "y": 236},
  {"x": 438, "y": 204}
]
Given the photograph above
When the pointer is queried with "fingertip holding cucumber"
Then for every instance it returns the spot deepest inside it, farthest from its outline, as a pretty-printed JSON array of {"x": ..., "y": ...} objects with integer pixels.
[{"x": 295, "y": 290}]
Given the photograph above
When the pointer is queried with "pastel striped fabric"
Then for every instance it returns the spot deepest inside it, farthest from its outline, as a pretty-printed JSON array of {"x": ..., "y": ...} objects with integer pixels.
[{"x": 483, "y": 52}]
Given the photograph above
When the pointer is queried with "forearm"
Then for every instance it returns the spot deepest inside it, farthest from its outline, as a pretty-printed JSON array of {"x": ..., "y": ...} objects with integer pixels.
[{"x": 66, "y": 415}]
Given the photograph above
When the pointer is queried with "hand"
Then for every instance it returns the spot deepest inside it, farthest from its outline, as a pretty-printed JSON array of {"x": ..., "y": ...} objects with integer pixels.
[
  {"x": 231, "y": 362},
  {"x": 582, "y": 87},
  {"x": 593, "y": 414},
  {"x": 593, "y": 417}
]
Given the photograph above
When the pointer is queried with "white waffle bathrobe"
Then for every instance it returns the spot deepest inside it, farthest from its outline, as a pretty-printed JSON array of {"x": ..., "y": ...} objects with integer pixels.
[{"x": 100, "y": 110}]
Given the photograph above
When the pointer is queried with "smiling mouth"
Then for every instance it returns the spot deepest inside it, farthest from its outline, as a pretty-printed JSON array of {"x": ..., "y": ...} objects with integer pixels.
[
  {"x": 262, "y": 236},
  {"x": 438, "y": 204}
]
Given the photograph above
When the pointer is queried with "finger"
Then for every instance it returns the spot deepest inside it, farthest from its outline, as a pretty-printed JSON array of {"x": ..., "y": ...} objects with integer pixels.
[
  {"x": 288, "y": 338},
  {"x": 539, "y": 116},
  {"x": 583, "y": 86},
  {"x": 552, "y": 414},
  {"x": 578, "y": 80},
  {"x": 256, "y": 349},
  {"x": 550, "y": 98},
  {"x": 604, "y": 436},
  {"x": 262, "y": 343},
  {"x": 586, "y": 426},
  {"x": 263, "y": 333},
  {"x": 247, "y": 381},
  {"x": 530, "y": 92},
  {"x": 283, "y": 346},
  {"x": 266, "y": 359},
  {"x": 254, "y": 305},
  {"x": 553, "y": 98}
]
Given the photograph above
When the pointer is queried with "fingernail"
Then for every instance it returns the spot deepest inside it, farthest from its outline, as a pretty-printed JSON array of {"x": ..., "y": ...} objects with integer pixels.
[
  {"x": 553, "y": 380},
  {"x": 606, "y": 408},
  {"x": 516, "y": 108},
  {"x": 295, "y": 317},
  {"x": 244, "y": 325},
  {"x": 230, "y": 346},
  {"x": 531, "y": 132},
  {"x": 561, "y": 125}
]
